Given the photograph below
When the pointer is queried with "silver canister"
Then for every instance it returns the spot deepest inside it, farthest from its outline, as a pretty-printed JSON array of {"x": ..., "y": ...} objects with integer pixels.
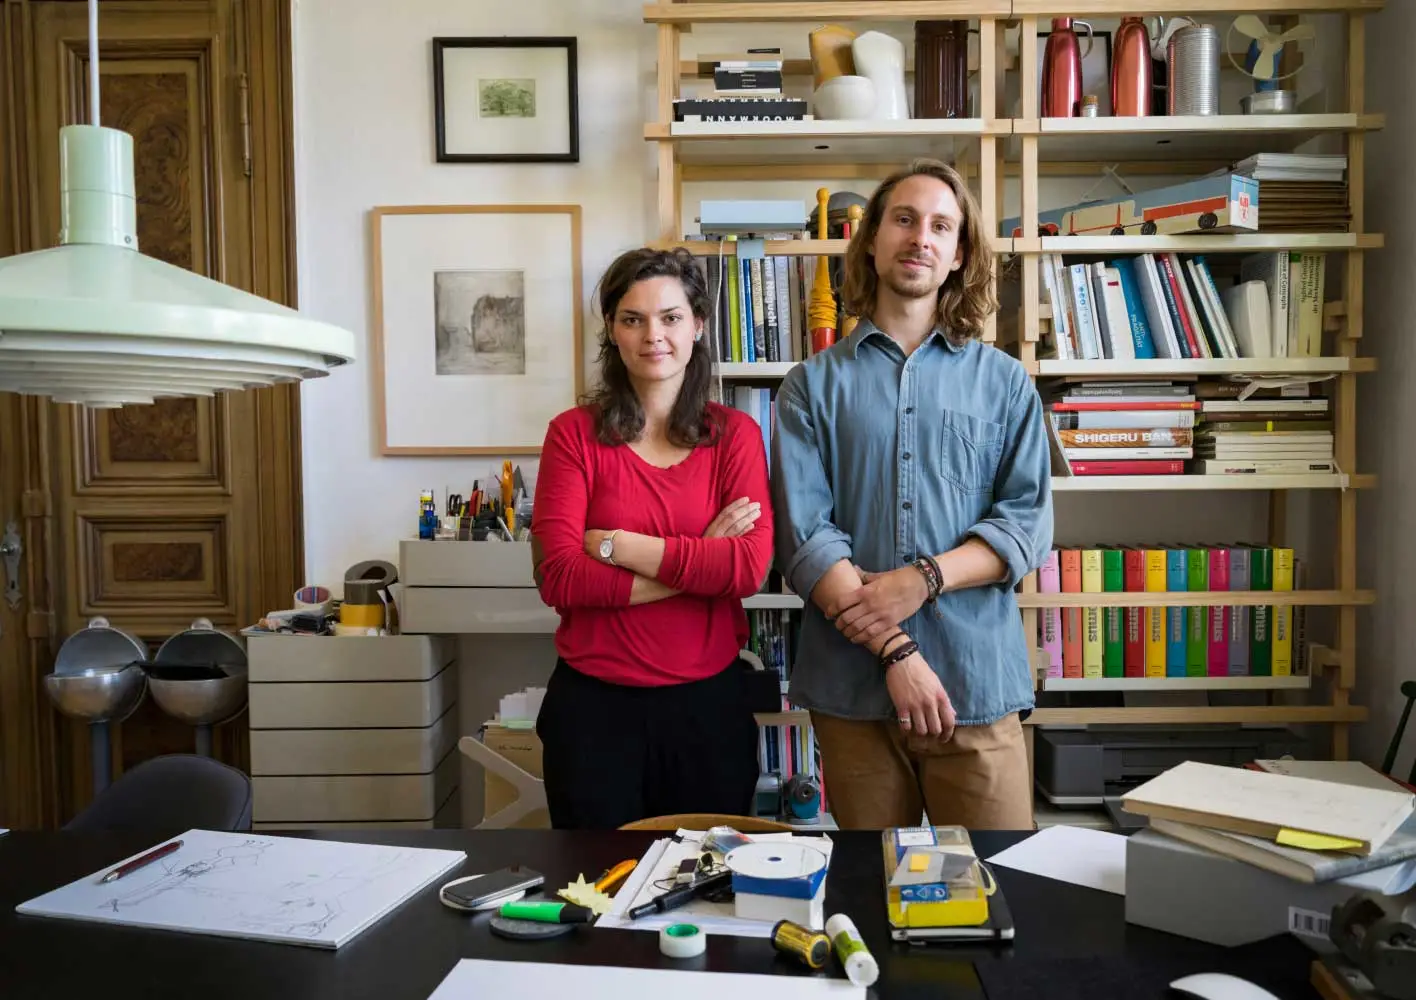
[{"x": 1193, "y": 71}]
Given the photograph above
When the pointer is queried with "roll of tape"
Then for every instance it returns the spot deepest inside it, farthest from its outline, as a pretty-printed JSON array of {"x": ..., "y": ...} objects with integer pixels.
[
  {"x": 361, "y": 592},
  {"x": 317, "y": 599},
  {"x": 341, "y": 629},
  {"x": 376, "y": 571},
  {"x": 362, "y": 614},
  {"x": 682, "y": 940}
]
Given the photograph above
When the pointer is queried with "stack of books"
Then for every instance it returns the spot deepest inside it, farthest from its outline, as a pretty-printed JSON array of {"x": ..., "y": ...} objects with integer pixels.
[
  {"x": 1272, "y": 431},
  {"x": 1124, "y": 428}
]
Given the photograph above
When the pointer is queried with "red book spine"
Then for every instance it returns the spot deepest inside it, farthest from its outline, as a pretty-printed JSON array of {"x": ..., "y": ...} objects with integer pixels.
[
  {"x": 1131, "y": 467},
  {"x": 1217, "y": 617},
  {"x": 1132, "y": 621},
  {"x": 1182, "y": 404}
]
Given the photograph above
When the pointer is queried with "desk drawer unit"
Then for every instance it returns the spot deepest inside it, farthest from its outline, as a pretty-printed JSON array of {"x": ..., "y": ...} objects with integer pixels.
[
  {"x": 464, "y": 587},
  {"x": 354, "y": 730}
]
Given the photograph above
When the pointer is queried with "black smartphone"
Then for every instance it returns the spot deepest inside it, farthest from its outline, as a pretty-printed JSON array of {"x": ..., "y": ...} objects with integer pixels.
[{"x": 493, "y": 885}]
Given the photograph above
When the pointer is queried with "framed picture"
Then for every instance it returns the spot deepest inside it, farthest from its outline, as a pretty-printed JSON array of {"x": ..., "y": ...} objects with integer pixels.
[
  {"x": 477, "y": 326},
  {"x": 506, "y": 100}
]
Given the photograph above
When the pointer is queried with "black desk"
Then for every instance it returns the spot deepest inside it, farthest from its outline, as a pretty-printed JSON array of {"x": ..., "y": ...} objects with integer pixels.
[{"x": 1069, "y": 939}]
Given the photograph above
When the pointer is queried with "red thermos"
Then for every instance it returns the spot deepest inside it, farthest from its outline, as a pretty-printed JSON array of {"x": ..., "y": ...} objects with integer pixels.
[
  {"x": 1131, "y": 69},
  {"x": 1062, "y": 69}
]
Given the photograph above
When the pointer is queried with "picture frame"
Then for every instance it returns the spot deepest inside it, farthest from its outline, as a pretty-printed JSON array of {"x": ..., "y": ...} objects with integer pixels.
[
  {"x": 506, "y": 100},
  {"x": 476, "y": 326}
]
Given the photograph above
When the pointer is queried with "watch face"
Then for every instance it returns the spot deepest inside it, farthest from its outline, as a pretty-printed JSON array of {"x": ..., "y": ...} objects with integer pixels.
[{"x": 607, "y": 546}]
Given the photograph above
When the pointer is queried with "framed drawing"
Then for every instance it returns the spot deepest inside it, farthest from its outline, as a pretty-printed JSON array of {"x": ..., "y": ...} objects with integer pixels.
[
  {"x": 477, "y": 326},
  {"x": 506, "y": 100}
]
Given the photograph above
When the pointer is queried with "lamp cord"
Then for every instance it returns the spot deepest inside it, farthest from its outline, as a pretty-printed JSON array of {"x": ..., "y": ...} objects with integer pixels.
[{"x": 93, "y": 60}]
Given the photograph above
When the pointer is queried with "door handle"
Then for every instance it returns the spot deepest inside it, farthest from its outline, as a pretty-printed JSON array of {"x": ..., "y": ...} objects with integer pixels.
[{"x": 10, "y": 550}]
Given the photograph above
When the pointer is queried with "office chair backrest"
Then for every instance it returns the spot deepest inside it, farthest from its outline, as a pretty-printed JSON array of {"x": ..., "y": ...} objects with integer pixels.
[{"x": 170, "y": 794}]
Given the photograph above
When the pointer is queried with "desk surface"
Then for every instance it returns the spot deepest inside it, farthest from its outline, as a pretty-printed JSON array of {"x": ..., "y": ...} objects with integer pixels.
[{"x": 1070, "y": 942}]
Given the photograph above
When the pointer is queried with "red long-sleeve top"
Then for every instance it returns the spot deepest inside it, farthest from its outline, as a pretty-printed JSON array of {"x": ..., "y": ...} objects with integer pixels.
[{"x": 582, "y": 485}]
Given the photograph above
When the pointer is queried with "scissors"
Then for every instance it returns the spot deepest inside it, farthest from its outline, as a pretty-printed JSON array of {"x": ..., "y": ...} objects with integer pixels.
[{"x": 454, "y": 505}]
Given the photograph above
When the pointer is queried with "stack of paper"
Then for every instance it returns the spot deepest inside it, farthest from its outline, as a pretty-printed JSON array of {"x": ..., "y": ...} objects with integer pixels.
[
  {"x": 1313, "y": 824},
  {"x": 655, "y": 873}
]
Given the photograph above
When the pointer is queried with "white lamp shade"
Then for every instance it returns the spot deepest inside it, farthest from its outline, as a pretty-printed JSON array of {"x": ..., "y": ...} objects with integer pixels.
[{"x": 96, "y": 321}]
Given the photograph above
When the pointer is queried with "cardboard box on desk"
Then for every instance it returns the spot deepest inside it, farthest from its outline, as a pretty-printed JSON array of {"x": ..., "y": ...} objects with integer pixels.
[
  {"x": 1183, "y": 889},
  {"x": 523, "y": 748}
]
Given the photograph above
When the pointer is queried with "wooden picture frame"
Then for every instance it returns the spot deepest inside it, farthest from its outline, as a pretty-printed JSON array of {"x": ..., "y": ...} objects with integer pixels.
[
  {"x": 506, "y": 100},
  {"x": 476, "y": 338}
]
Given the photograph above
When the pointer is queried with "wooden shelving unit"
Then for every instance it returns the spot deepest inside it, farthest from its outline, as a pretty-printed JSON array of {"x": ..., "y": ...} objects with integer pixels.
[{"x": 988, "y": 147}]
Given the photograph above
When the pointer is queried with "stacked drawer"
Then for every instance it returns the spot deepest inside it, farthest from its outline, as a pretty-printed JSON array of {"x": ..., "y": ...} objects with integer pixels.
[
  {"x": 470, "y": 587},
  {"x": 354, "y": 731}
]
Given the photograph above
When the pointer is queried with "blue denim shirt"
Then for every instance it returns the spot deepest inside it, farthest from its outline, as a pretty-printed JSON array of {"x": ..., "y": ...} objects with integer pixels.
[{"x": 878, "y": 458}]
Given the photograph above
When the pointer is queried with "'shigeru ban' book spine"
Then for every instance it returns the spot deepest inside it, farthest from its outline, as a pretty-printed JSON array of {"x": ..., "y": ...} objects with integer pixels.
[{"x": 1272, "y": 806}]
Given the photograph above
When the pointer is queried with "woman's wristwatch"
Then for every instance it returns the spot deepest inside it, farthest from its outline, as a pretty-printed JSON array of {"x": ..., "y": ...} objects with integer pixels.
[{"x": 607, "y": 547}]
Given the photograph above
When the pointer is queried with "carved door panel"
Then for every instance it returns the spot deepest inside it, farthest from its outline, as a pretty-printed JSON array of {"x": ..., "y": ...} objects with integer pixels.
[{"x": 186, "y": 508}]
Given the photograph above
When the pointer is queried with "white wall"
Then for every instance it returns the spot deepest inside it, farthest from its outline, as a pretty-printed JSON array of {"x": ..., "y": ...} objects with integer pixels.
[{"x": 1386, "y": 400}]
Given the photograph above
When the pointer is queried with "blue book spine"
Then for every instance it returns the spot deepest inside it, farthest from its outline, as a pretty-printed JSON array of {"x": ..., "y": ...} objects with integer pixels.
[
  {"x": 1176, "y": 580},
  {"x": 749, "y": 352},
  {"x": 1135, "y": 311}
]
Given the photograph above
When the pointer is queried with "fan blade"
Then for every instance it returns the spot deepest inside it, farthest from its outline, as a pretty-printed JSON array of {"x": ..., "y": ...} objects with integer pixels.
[
  {"x": 1249, "y": 24},
  {"x": 1298, "y": 33},
  {"x": 1266, "y": 62}
]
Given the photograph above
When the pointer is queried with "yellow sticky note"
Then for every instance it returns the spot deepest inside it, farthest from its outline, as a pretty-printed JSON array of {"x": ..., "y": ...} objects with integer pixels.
[
  {"x": 919, "y": 862},
  {"x": 1315, "y": 841}
]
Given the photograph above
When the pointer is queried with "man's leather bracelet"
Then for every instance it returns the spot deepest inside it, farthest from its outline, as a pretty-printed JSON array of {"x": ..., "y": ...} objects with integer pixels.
[
  {"x": 933, "y": 576},
  {"x": 902, "y": 652}
]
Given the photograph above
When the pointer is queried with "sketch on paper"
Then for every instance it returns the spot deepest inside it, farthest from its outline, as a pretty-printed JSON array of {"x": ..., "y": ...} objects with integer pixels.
[
  {"x": 481, "y": 322},
  {"x": 295, "y": 890},
  {"x": 501, "y": 98}
]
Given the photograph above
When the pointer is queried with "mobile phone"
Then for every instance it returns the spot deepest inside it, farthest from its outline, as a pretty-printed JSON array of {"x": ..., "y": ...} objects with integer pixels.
[{"x": 492, "y": 886}]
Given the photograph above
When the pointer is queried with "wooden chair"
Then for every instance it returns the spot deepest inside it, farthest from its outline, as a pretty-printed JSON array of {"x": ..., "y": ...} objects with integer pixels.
[{"x": 704, "y": 821}]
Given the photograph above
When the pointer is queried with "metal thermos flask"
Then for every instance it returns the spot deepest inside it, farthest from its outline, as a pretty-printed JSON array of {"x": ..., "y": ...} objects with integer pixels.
[
  {"x": 1131, "y": 69},
  {"x": 1062, "y": 69}
]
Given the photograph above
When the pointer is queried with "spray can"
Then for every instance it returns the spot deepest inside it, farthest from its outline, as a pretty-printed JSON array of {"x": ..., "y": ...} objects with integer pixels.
[
  {"x": 859, "y": 964},
  {"x": 811, "y": 948}
]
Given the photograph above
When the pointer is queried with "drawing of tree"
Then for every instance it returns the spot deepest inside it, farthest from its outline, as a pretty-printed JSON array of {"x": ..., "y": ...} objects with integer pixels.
[{"x": 507, "y": 98}]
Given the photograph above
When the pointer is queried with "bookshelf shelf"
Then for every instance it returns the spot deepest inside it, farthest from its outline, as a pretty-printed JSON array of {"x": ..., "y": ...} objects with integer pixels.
[
  {"x": 762, "y": 370},
  {"x": 819, "y": 141},
  {"x": 1085, "y": 684},
  {"x": 772, "y": 602},
  {"x": 824, "y": 11},
  {"x": 1227, "y": 138},
  {"x": 1198, "y": 243},
  {"x": 1184, "y": 715},
  {"x": 1200, "y": 598},
  {"x": 773, "y": 248},
  {"x": 1165, "y": 368},
  {"x": 1200, "y": 483},
  {"x": 1081, "y": 8}
]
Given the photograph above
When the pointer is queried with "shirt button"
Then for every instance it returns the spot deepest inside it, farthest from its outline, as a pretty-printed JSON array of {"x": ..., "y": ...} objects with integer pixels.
[
  {"x": 906, "y": 456},
  {"x": 909, "y": 409},
  {"x": 906, "y": 505}
]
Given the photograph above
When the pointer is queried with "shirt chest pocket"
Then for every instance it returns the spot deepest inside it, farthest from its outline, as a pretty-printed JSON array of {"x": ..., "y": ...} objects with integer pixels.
[{"x": 968, "y": 452}]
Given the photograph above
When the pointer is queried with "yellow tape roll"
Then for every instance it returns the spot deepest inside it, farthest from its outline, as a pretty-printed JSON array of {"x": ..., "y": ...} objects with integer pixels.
[{"x": 362, "y": 614}]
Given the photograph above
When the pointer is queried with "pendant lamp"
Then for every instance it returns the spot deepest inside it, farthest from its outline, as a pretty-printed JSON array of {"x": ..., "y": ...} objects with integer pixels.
[{"x": 97, "y": 322}]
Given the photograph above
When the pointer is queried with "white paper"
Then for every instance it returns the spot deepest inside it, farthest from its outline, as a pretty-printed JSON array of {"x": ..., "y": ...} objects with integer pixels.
[
  {"x": 290, "y": 890},
  {"x": 476, "y": 979},
  {"x": 1076, "y": 854},
  {"x": 661, "y": 862}
]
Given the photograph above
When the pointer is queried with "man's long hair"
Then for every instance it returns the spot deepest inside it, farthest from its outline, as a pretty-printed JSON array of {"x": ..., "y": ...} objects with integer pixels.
[{"x": 966, "y": 298}]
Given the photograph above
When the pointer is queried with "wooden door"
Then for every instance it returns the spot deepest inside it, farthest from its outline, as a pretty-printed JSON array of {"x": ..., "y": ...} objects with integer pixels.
[{"x": 148, "y": 516}]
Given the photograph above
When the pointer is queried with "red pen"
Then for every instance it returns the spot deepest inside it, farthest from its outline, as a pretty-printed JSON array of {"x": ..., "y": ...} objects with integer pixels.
[{"x": 141, "y": 861}]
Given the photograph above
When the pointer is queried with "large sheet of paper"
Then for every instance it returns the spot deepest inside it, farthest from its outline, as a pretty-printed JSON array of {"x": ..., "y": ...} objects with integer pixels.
[
  {"x": 1092, "y": 858},
  {"x": 291, "y": 890},
  {"x": 477, "y": 979},
  {"x": 660, "y": 863}
]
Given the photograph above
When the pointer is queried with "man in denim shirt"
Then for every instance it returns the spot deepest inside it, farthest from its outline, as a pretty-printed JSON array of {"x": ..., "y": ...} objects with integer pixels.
[{"x": 912, "y": 492}]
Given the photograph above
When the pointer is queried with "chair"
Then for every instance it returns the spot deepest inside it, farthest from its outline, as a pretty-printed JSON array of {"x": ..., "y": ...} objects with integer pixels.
[
  {"x": 704, "y": 821},
  {"x": 1408, "y": 691},
  {"x": 172, "y": 793}
]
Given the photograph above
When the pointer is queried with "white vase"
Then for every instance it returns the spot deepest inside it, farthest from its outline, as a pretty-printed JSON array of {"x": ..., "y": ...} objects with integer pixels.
[
  {"x": 844, "y": 97},
  {"x": 881, "y": 59}
]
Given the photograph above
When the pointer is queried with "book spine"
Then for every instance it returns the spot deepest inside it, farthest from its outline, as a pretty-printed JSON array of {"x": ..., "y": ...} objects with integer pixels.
[
  {"x": 1049, "y": 581},
  {"x": 1196, "y": 620},
  {"x": 1218, "y": 615},
  {"x": 1155, "y": 617},
  {"x": 1113, "y": 581},
  {"x": 1071, "y": 617},
  {"x": 1092, "y": 642},
  {"x": 1239, "y": 615},
  {"x": 1283, "y": 614},
  {"x": 1133, "y": 618},
  {"x": 1260, "y": 637},
  {"x": 1176, "y": 620}
]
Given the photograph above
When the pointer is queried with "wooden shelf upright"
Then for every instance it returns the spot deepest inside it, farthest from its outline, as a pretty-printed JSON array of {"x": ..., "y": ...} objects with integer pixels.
[{"x": 989, "y": 146}]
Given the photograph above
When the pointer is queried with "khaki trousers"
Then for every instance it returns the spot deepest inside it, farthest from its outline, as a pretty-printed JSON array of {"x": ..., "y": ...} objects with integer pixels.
[{"x": 876, "y": 776}]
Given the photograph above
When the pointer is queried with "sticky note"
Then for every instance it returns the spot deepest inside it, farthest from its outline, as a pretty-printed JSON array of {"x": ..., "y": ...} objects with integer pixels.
[
  {"x": 919, "y": 862},
  {"x": 1315, "y": 841}
]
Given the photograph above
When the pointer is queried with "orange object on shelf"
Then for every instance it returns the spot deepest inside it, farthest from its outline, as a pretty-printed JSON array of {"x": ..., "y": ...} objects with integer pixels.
[{"x": 821, "y": 307}]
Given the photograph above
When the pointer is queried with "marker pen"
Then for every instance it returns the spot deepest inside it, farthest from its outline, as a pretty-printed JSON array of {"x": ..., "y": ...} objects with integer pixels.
[{"x": 547, "y": 912}]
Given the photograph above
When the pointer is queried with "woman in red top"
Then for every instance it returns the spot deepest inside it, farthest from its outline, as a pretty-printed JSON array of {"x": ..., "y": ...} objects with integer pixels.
[{"x": 651, "y": 523}]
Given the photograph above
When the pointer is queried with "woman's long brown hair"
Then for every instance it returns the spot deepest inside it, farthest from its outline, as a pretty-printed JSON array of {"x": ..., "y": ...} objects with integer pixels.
[
  {"x": 966, "y": 298},
  {"x": 619, "y": 417}
]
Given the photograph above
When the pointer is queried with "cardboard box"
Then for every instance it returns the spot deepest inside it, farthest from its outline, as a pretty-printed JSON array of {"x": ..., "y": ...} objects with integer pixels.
[{"x": 523, "y": 748}]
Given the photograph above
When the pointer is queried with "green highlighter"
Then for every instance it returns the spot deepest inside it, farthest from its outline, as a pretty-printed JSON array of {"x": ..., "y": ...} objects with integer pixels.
[{"x": 547, "y": 912}]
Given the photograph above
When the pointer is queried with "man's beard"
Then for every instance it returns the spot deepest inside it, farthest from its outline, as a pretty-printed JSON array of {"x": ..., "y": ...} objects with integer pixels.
[{"x": 918, "y": 287}]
